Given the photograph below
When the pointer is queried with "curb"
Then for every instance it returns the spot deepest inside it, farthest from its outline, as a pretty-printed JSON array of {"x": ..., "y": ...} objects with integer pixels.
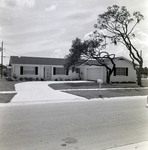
[
  {"x": 8, "y": 92},
  {"x": 69, "y": 101},
  {"x": 139, "y": 146},
  {"x": 102, "y": 89}
]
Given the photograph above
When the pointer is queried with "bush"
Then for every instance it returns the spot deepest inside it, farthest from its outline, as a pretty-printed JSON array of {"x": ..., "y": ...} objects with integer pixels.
[
  {"x": 30, "y": 79},
  {"x": 21, "y": 79},
  {"x": 9, "y": 79},
  {"x": 26, "y": 79},
  {"x": 14, "y": 76},
  {"x": 5, "y": 74},
  {"x": 37, "y": 79}
]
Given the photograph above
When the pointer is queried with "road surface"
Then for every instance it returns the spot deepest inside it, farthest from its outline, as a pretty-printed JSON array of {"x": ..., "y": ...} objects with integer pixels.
[{"x": 92, "y": 125}]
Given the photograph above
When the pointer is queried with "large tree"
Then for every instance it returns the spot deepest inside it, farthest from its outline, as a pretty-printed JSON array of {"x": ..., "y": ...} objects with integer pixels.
[
  {"x": 91, "y": 49},
  {"x": 119, "y": 26}
]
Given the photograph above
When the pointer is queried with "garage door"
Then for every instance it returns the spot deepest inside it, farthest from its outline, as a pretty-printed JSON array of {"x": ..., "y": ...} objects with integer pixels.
[{"x": 94, "y": 73}]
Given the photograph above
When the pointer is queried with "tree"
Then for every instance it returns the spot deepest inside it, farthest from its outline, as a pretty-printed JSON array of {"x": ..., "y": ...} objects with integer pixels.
[
  {"x": 91, "y": 49},
  {"x": 119, "y": 26}
]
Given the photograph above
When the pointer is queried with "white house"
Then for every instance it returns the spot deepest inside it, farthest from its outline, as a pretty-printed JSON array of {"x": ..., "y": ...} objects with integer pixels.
[
  {"x": 41, "y": 68},
  {"x": 52, "y": 69}
]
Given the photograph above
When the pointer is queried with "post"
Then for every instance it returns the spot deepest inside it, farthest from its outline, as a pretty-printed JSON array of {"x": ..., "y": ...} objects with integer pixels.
[
  {"x": 2, "y": 60},
  {"x": 147, "y": 103},
  {"x": 100, "y": 81},
  {"x": 100, "y": 89}
]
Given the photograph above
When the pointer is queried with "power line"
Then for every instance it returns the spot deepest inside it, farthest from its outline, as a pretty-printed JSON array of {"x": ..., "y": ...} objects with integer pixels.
[{"x": 12, "y": 52}]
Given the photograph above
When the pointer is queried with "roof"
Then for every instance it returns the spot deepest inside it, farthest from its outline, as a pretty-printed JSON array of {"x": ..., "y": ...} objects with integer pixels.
[
  {"x": 95, "y": 62},
  {"x": 36, "y": 60},
  {"x": 54, "y": 61}
]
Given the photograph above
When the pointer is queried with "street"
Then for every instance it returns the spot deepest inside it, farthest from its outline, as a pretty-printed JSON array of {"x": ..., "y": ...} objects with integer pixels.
[{"x": 89, "y": 125}]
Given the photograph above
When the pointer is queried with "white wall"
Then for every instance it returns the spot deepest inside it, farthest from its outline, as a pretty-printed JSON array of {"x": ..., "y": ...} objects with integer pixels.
[
  {"x": 71, "y": 75},
  {"x": 83, "y": 71},
  {"x": 16, "y": 70},
  {"x": 131, "y": 72}
]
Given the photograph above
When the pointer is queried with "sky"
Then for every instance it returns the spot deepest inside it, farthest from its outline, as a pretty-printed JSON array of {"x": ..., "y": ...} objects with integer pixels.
[{"x": 46, "y": 28}]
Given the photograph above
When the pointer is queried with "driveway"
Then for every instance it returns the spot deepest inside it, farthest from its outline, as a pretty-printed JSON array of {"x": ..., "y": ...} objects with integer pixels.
[{"x": 40, "y": 92}]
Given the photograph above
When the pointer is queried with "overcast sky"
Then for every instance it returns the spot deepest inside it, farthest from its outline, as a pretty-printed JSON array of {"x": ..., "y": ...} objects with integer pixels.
[{"x": 46, "y": 28}]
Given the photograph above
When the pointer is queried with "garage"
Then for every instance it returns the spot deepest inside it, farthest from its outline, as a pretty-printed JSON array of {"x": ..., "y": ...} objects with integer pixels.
[{"x": 94, "y": 73}]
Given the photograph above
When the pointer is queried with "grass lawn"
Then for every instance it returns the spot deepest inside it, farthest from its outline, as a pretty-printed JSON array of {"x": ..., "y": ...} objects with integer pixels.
[
  {"x": 6, "y": 86},
  {"x": 6, "y": 98},
  {"x": 89, "y": 94},
  {"x": 90, "y": 85}
]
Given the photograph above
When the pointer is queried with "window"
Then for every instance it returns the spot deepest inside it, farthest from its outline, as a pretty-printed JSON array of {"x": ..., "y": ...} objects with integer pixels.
[
  {"x": 28, "y": 70},
  {"x": 121, "y": 71},
  {"x": 60, "y": 71},
  {"x": 77, "y": 70}
]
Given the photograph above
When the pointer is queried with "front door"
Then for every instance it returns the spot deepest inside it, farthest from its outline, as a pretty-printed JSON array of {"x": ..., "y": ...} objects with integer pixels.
[{"x": 47, "y": 73}]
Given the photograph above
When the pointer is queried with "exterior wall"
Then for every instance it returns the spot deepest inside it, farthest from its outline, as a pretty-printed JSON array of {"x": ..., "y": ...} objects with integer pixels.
[
  {"x": 131, "y": 72},
  {"x": 71, "y": 75},
  {"x": 42, "y": 70},
  {"x": 104, "y": 74},
  {"x": 16, "y": 71},
  {"x": 83, "y": 71}
]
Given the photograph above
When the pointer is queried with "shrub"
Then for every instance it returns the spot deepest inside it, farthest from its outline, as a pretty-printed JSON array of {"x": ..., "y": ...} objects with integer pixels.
[
  {"x": 9, "y": 79},
  {"x": 37, "y": 79},
  {"x": 26, "y": 79},
  {"x": 21, "y": 79},
  {"x": 30, "y": 79}
]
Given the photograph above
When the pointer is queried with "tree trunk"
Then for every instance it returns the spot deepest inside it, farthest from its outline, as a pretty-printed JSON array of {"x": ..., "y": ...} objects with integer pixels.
[
  {"x": 108, "y": 74},
  {"x": 139, "y": 78},
  {"x": 139, "y": 71}
]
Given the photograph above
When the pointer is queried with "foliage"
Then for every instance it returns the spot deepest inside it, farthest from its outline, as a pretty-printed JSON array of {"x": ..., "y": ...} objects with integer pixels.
[
  {"x": 119, "y": 26},
  {"x": 90, "y": 49},
  {"x": 145, "y": 71}
]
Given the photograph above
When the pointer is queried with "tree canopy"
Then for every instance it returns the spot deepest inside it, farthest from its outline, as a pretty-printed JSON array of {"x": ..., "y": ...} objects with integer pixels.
[
  {"x": 119, "y": 26},
  {"x": 90, "y": 49}
]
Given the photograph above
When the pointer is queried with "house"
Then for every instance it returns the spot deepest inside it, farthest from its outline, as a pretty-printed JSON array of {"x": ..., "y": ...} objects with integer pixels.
[
  {"x": 52, "y": 69},
  {"x": 124, "y": 71},
  {"x": 41, "y": 68}
]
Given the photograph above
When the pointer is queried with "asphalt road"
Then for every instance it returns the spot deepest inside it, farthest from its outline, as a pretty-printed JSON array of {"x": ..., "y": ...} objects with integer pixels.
[{"x": 92, "y": 125}]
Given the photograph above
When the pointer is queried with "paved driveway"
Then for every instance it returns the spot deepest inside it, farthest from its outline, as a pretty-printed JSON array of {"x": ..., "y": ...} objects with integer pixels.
[{"x": 40, "y": 91}]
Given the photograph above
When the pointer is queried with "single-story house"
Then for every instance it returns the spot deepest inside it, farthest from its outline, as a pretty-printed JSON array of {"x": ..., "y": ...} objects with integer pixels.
[{"x": 52, "y": 69}]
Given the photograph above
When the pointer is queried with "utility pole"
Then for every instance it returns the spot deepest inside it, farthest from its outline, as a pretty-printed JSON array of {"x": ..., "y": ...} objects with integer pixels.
[
  {"x": 2, "y": 59},
  {"x": 141, "y": 55}
]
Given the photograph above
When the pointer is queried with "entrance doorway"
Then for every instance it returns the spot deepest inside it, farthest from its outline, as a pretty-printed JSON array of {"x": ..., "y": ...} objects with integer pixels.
[{"x": 47, "y": 73}]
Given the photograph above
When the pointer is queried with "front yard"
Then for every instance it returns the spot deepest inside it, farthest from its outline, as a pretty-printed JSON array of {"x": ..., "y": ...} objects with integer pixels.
[
  {"x": 6, "y": 86},
  {"x": 90, "y": 94},
  {"x": 90, "y": 90}
]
